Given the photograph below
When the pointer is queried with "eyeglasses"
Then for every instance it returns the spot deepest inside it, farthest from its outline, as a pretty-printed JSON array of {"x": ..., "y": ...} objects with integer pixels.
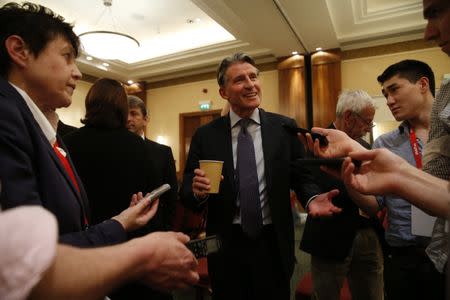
[{"x": 368, "y": 123}]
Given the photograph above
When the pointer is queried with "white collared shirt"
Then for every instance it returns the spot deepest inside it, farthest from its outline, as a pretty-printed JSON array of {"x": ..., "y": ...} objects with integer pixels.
[
  {"x": 254, "y": 129},
  {"x": 40, "y": 118}
]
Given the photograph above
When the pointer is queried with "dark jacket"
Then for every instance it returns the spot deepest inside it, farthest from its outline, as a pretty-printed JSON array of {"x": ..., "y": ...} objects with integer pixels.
[
  {"x": 213, "y": 142},
  {"x": 332, "y": 237},
  {"x": 32, "y": 174}
]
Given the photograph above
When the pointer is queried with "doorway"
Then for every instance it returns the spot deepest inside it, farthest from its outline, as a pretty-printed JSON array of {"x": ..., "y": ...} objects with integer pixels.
[{"x": 189, "y": 122}]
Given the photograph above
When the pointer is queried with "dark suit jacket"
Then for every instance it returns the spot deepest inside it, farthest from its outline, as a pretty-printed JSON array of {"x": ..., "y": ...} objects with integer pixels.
[
  {"x": 163, "y": 171},
  {"x": 31, "y": 174},
  {"x": 113, "y": 164},
  {"x": 213, "y": 141},
  {"x": 332, "y": 237},
  {"x": 63, "y": 129}
]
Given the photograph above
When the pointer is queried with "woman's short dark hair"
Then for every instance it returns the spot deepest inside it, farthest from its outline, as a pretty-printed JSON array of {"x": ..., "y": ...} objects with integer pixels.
[
  {"x": 37, "y": 25},
  {"x": 106, "y": 105}
]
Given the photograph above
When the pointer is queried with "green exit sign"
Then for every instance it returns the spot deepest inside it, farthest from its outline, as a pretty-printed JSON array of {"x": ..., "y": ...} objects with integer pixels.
[{"x": 205, "y": 105}]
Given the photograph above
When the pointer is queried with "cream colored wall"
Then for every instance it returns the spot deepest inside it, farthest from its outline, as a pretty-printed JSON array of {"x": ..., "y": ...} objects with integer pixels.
[
  {"x": 72, "y": 114},
  {"x": 361, "y": 73},
  {"x": 166, "y": 103}
]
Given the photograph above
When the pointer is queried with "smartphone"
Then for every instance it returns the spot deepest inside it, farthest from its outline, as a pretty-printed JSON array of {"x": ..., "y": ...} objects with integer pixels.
[
  {"x": 294, "y": 130},
  {"x": 202, "y": 247},
  {"x": 329, "y": 162},
  {"x": 157, "y": 192}
]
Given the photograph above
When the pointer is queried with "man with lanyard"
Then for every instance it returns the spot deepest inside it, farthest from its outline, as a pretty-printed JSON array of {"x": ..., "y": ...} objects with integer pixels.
[
  {"x": 381, "y": 167},
  {"x": 409, "y": 90}
]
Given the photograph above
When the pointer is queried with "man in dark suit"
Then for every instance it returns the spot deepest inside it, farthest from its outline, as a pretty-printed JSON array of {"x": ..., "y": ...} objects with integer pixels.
[
  {"x": 38, "y": 75},
  {"x": 161, "y": 170},
  {"x": 345, "y": 245},
  {"x": 163, "y": 166},
  {"x": 257, "y": 255}
]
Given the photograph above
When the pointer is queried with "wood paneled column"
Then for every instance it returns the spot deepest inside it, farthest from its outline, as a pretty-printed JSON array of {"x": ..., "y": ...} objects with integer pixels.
[
  {"x": 326, "y": 86},
  {"x": 291, "y": 79},
  {"x": 309, "y": 87}
]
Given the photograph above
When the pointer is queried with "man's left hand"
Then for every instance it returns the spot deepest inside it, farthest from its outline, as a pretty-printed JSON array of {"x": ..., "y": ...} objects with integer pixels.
[{"x": 322, "y": 205}]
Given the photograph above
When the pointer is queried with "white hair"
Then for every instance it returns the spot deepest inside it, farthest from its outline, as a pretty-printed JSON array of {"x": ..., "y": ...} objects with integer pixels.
[{"x": 354, "y": 101}]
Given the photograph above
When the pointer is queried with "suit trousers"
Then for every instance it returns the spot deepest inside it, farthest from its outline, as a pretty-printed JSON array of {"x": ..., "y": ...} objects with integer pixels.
[
  {"x": 410, "y": 274},
  {"x": 363, "y": 268},
  {"x": 248, "y": 269}
]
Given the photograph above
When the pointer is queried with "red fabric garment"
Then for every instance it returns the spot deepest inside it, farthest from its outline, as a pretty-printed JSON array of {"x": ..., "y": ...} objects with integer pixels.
[
  {"x": 66, "y": 165},
  {"x": 69, "y": 170}
]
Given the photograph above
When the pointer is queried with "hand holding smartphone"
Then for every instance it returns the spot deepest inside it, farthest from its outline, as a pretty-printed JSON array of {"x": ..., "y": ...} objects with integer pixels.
[
  {"x": 294, "y": 130},
  {"x": 157, "y": 192},
  {"x": 202, "y": 247}
]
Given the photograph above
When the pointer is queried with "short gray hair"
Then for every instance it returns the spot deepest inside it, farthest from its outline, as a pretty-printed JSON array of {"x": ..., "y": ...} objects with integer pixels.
[
  {"x": 136, "y": 102},
  {"x": 230, "y": 60},
  {"x": 354, "y": 101}
]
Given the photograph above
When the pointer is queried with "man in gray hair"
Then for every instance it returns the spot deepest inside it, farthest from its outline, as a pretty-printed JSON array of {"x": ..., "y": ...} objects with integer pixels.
[
  {"x": 354, "y": 114},
  {"x": 345, "y": 245}
]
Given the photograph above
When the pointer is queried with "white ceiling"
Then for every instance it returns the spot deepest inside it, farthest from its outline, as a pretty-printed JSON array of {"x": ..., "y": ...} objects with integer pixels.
[{"x": 266, "y": 29}]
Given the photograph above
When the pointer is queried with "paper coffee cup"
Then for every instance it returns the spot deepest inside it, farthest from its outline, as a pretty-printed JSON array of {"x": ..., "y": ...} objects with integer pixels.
[{"x": 213, "y": 171}]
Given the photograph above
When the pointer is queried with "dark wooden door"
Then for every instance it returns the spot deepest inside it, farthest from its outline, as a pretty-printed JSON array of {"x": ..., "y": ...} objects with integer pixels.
[{"x": 189, "y": 122}]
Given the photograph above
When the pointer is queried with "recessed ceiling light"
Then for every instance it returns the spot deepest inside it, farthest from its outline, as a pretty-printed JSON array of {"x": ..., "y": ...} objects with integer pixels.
[
  {"x": 319, "y": 49},
  {"x": 105, "y": 64},
  {"x": 190, "y": 21},
  {"x": 89, "y": 58},
  {"x": 198, "y": 20},
  {"x": 294, "y": 52},
  {"x": 102, "y": 67},
  {"x": 130, "y": 81}
]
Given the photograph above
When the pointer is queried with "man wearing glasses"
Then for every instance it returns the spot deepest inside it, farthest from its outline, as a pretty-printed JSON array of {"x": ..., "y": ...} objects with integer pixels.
[
  {"x": 345, "y": 245},
  {"x": 355, "y": 111}
]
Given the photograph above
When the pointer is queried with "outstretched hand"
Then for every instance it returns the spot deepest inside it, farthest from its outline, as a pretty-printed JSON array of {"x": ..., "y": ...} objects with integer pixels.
[
  {"x": 339, "y": 143},
  {"x": 322, "y": 205},
  {"x": 376, "y": 175}
]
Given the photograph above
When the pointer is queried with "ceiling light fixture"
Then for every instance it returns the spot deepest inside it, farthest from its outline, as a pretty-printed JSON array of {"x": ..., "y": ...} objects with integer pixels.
[
  {"x": 319, "y": 49},
  {"x": 101, "y": 67},
  {"x": 107, "y": 44}
]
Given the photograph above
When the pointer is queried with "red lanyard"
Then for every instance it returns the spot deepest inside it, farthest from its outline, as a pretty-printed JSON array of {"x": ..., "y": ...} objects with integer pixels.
[
  {"x": 415, "y": 148},
  {"x": 65, "y": 162}
]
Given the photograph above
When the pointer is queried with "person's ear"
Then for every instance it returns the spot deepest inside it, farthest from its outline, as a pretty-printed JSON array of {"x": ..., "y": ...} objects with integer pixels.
[
  {"x": 347, "y": 115},
  {"x": 424, "y": 84},
  {"x": 17, "y": 50},
  {"x": 223, "y": 93}
]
